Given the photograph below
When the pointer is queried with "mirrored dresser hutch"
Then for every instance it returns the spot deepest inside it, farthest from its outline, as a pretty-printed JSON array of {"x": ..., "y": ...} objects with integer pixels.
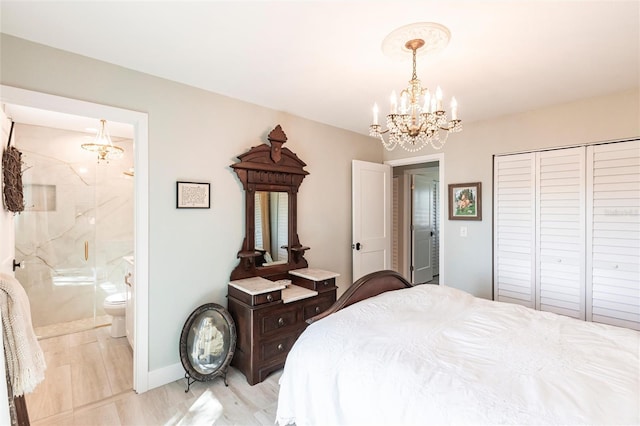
[{"x": 272, "y": 291}]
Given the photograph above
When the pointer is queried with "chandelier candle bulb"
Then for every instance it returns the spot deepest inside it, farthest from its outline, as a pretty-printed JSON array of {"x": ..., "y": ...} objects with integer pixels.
[
  {"x": 375, "y": 114},
  {"x": 394, "y": 103},
  {"x": 454, "y": 109},
  {"x": 439, "y": 98},
  {"x": 427, "y": 97}
]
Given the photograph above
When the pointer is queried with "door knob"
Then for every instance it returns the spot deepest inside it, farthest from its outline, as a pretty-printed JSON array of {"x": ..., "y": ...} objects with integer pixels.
[
  {"x": 356, "y": 246},
  {"x": 17, "y": 265}
]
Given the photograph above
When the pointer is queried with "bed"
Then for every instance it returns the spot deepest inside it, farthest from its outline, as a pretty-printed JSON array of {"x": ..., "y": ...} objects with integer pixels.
[{"x": 432, "y": 354}]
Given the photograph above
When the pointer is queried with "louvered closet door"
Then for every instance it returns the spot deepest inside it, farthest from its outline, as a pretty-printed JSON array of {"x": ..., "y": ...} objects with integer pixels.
[
  {"x": 514, "y": 229},
  {"x": 560, "y": 231},
  {"x": 613, "y": 234},
  {"x": 435, "y": 218}
]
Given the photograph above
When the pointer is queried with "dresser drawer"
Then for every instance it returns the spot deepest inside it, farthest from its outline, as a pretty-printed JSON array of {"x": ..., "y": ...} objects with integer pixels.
[
  {"x": 255, "y": 299},
  {"x": 319, "y": 285},
  {"x": 318, "y": 305},
  {"x": 279, "y": 319},
  {"x": 269, "y": 297},
  {"x": 279, "y": 347}
]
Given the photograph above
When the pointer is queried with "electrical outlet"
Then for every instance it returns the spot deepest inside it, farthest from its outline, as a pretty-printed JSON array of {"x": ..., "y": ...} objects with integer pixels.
[{"x": 463, "y": 231}]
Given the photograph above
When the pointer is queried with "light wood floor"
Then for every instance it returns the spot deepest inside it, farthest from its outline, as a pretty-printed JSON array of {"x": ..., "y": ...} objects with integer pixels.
[{"x": 89, "y": 382}]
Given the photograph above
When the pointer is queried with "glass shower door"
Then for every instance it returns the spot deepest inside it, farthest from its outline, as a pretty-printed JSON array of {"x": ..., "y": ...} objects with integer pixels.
[{"x": 56, "y": 234}]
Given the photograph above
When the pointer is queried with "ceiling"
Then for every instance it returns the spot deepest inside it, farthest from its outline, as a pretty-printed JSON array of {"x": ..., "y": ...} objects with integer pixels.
[{"x": 323, "y": 60}]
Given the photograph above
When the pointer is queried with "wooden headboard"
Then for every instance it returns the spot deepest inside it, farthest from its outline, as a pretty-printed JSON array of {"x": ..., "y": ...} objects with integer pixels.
[{"x": 368, "y": 286}]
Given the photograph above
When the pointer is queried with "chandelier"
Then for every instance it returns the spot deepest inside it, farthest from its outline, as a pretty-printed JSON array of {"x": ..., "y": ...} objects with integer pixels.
[
  {"x": 103, "y": 146},
  {"x": 420, "y": 119}
]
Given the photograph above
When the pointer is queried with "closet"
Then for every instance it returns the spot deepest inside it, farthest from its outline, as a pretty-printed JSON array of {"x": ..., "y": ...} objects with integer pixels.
[{"x": 567, "y": 231}]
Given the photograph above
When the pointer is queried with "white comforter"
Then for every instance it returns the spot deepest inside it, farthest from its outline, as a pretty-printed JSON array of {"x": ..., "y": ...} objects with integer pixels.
[{"x": 437, "y": 355}]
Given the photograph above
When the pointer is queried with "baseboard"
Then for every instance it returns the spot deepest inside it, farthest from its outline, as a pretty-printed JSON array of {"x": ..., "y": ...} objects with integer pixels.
[{"x": 164, "y": 375}]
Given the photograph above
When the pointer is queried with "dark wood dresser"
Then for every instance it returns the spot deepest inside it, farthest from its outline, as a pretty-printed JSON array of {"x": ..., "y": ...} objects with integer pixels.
[{"x": 270, "y": 315}]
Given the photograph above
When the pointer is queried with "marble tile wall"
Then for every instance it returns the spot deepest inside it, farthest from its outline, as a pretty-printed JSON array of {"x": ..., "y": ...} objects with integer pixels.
[{"x": 70, "y": 201}]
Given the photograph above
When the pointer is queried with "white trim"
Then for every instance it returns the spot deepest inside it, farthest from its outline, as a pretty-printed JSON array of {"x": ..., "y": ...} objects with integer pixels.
[
  {"x": 164, "y": 375},
  {"x": 578, "y": 145},
  {"x": 430, "y": 158},
  {"x": 139, "y": 120}
]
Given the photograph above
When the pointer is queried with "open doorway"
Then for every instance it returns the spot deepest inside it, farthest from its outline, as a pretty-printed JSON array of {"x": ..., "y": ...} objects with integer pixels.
[
  {"x": 417, "y": 248},
  {"x": 416, "y": 224},
  {"x": 138, "y": 121},
  {"x": 76, "y": 232}
]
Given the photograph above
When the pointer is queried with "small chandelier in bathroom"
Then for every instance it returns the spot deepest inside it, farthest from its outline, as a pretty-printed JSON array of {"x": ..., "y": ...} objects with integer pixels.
[
  {"x": 420, "y": 120},
  {"x": 103, "y": 146}
]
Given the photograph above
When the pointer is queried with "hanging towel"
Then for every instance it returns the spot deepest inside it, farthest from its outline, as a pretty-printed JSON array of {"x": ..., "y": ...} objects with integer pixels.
[{"x": 22, "y": 353}]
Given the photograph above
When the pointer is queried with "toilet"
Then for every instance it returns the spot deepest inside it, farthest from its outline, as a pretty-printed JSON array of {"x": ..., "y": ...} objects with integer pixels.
[{"x": 115, "y": 305}]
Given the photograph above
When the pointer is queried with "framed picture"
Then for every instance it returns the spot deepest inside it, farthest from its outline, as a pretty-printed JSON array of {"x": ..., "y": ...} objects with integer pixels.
[
  {"x": 207, "y": 344},
  {"x": 465, "y": 201},
  {"x": 193, "y": 195}
]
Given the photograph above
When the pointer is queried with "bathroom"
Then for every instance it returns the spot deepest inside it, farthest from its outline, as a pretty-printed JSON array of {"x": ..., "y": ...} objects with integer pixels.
[{"x": 74, "y": 240}]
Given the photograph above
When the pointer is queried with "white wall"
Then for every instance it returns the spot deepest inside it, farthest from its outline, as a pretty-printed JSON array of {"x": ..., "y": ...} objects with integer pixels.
[
  {"x": 468, "y": 157},
  {"x": 195, "y": 135}
]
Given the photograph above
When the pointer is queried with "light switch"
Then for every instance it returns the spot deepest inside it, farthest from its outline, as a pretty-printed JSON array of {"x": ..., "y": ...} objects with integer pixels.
[{"x": 463, "y": 231}]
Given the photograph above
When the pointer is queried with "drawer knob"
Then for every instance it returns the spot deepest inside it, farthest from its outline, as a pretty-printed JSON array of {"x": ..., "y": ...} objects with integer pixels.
[
  {"x": 269, "y": 298},
  {"x": 326, "y": 283},
  {"x": 280, "y": 347},
  {"x": 317, "y": 309},
  {"x": 280, "y": 322}
]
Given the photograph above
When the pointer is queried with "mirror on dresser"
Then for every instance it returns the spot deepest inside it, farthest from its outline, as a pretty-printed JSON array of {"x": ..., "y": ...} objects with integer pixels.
[
  {"x": 272, "y": 292},
  {"x": 271, "y": 176},
  {"x": 271, "y": 224}
]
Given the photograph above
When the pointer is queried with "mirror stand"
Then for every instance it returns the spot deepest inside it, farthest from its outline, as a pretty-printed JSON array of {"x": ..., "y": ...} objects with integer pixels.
[{"x": 275, "y": 173}]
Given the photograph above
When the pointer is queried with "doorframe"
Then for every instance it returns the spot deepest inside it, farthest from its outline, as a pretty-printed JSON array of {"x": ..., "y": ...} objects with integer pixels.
[
  {"x": 430, "y": 158},
  {"x": 139, "y": 120}
]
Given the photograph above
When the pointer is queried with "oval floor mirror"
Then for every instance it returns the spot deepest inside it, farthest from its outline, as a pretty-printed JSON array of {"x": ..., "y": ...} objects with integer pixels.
[{"x": 207, "y": 344}]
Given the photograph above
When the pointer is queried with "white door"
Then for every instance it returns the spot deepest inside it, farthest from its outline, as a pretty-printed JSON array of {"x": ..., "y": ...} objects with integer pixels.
[
  {"x": 421, "y": 231},
  {"x": 371, "y": 220},
  {"x": 560, "y": 227},
  {"x": 613, "y": 230},
  {"x": 514, "y": 252}
]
